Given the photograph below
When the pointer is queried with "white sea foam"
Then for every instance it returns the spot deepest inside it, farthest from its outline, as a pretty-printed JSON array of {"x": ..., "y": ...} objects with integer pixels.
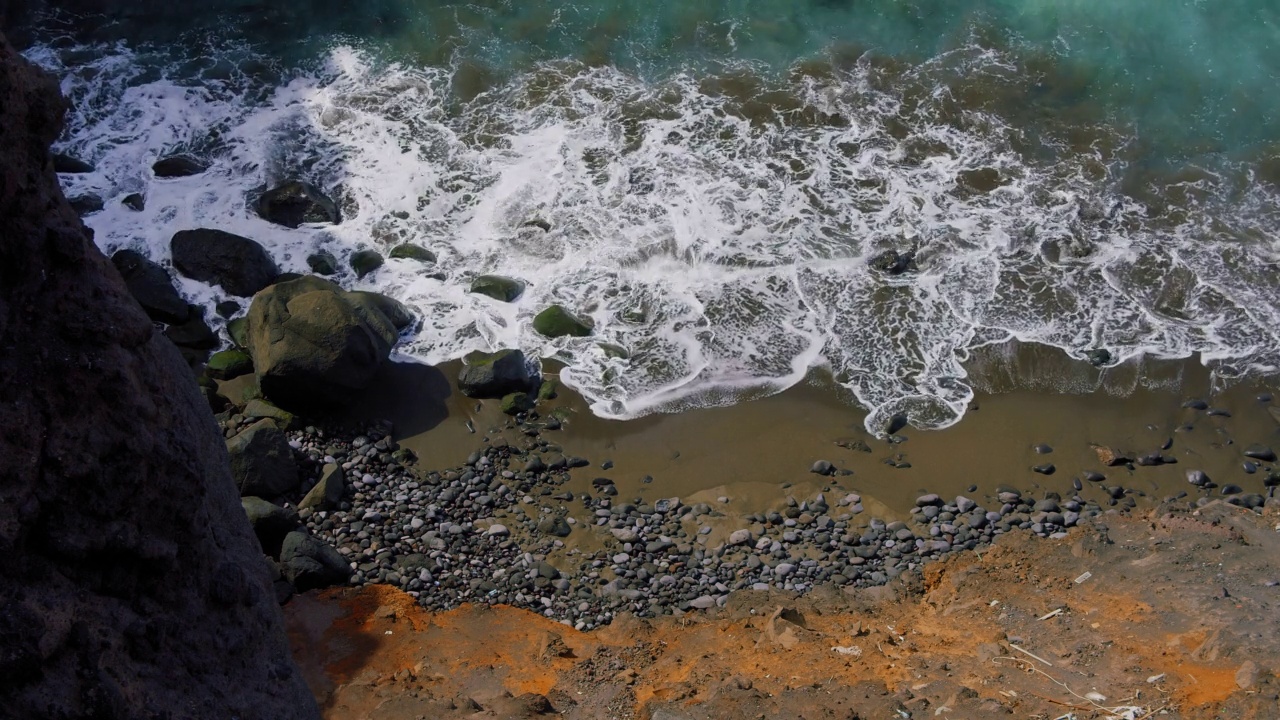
[{"x": 724, "y": 248}]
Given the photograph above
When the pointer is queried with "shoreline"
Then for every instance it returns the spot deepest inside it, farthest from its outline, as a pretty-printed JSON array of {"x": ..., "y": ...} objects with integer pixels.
[{"x": 550, "y": 511}]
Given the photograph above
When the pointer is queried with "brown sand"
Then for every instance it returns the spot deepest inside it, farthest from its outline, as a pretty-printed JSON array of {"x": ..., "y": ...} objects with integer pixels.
[{"x": 747, "y": 452}]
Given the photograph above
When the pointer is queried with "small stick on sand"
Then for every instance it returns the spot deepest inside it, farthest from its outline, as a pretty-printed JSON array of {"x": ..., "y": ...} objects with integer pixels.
[{"x": 1030, "y": 654}]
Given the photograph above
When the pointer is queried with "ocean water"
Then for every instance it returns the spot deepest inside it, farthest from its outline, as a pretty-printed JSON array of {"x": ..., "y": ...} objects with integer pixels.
[{"x": 717, "y": 176}]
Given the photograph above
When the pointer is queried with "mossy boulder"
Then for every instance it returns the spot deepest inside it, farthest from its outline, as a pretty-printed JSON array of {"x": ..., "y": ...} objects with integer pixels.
[
  {"x": 516, "y": 403},
  {"x": 259, "y": 409},
  {"x": 229, "y": 364},
  {"x": 323, "y": 263},
  {"x": 396, "y": 312},
  {"x": 495, "y": 375},
  {"x": 409, "y": 251},
  {"x": 365, "y": 262},
  {"x": 498, "y": 287},
  {"x": 556, "y": 322},
  {"x": 548, "y": 390},
  {"x": 314, "y": 344},
  {"x": 238, "y": 331}
]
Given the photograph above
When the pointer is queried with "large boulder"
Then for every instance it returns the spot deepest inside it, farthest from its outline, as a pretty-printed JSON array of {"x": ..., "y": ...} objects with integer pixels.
[
  {"x": 297, "y": 203},
  {"x": 313, "y": 343},
  {"x": 311, "y": 563},
  {"x": 236, "y": 264},
  {"x": 262, "y": 462},
  {"x": 131, "y": 585},
  {"x": 495, "y": 375},
  {"x": 151, "y": 287}
]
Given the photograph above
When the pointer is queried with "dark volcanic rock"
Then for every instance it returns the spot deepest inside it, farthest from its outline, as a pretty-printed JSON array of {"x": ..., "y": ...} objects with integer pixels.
[
  {"x": 237, "y": 264},
  {"x": 495, "y": 375},
  {"x": 151, "y": 287},
  {"x": 296, "y": 203},
  {"x": 313, "y": 343},
  {"x": 130, "y": 582}
]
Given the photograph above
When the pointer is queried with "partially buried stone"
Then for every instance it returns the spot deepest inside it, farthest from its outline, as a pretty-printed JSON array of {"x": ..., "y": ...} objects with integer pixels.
[
  {"x": 554, "y": 525},
  {"x": 1197, "y": 478},
  {"x": 1260, "y": 452},
  {"x": 516, "y": 403},
  {"x": 495, "y": 375},
  {"x": 1046, "y": 469},
  {"x": 822, "y": 467}
]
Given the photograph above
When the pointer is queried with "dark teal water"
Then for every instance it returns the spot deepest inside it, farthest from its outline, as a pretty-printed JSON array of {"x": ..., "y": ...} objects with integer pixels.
[{"x": 1087, "y": 174}]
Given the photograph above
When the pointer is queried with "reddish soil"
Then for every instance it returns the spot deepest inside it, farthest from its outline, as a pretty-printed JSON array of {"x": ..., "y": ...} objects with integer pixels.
[{"x": 1177, "y": 619}]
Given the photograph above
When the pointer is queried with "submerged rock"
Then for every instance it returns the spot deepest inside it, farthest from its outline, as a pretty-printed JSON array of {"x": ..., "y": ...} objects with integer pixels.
[
  {"x": 502, "y": 289},
  {"x": 892, "y": 262},
  {"x": 176, "y": 166},
  {"x": 313, "y": 343},
  {"x": 556, "y": 322},
  {"x": 409, "y": 251},
  {"x": 63, "y": 163},
  {"x": 296, "y": 203},
  {"x": 323, "y": 263},
  {"x": 135, "y": 202},
  {"x": 495, "y": 375},
  {"x": 151, "y": 287},
  {"x": 236, "y": 264},
  {"x": 365, "y": 262}
]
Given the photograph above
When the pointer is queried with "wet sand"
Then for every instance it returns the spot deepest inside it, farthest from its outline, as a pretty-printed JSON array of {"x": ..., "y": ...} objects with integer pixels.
[{"x": 750, "y": 452}]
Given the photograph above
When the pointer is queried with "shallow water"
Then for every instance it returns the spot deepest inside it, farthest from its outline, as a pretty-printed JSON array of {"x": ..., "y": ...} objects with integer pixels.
[{"x": 716, "y": 177}]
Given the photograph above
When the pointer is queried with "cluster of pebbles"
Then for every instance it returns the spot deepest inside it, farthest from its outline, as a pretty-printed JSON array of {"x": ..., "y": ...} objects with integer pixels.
[
  {"x": 495, "y": 529},
  {"x": 484, "y": 532}
]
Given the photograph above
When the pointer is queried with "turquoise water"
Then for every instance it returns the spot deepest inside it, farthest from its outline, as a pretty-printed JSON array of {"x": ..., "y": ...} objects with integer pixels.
[{"x": 717, "y": 176}]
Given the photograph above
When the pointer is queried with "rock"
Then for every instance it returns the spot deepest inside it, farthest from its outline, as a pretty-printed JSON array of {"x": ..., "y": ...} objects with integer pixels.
[
  {"x": 229, "y": 364},
  {"x": 227, "y": 309},
  {"x": 313, "y": 344},
  {"x": 63, "y": 163},
  {"x": 703, "y": 602},
  {"x": 365, "y": 262},
  {"x": 328, "y": 492},
  {"x": 896, "y": 424},
  {"x": 391, "y": 308},
  {"x": 1247, "y": 675},
  {"x": 176, "y": 166},
  {"x": 409, "y": 251},
  {"x": 516, "y": 403},
  {"x": 297, "y": 203},
  {"x": 136, "y": 202},
  {"x": 495, "y": 375},
  {"x": 1260, "y": 452},
  {"x": 236, "y": 264},
  {"x": 1046, "y": 469},
  {"x": 822, "y": 467},
  {"x": 87, "y": 204},
  {"x": 1043, "y": 449},
  {"x": 262, "y": 462},
  {"x": 128, "y": 559},
  {"x": 194, "y": 332},
  {"x": 497, "y": 530},
  {"x": 1099, "y": 357},
  {"x": 259, "y": 409},
  {"x": 502, "y": 289},
  {"x": 554, "y": 525},
  {"x": 270, "y": 522},
  {"x": 1197, "y": 478},
  {"x": 783, "y": 570},
  {"x": 310, "y": 563},
  {"x": 556, "y": 322},
  {"x": 323, "y": 263},
  {"x": 1110, "y": 457},
  {"x": 892, "y": 262},
  {"x": 238, "y": 331},
  {"x": 927, "y": 500},
  {"x": 739, "y": 537},
  {"x": 151, "y": 287}
]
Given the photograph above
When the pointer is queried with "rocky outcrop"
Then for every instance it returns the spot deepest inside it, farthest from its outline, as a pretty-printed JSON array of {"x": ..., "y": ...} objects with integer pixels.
[
  {"x": 131, "y": 585},
  {"x": 313, "y": 343}
]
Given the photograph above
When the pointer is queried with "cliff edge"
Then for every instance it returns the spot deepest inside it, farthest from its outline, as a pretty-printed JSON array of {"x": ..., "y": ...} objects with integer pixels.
[{"x": 130, "y": 583}]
